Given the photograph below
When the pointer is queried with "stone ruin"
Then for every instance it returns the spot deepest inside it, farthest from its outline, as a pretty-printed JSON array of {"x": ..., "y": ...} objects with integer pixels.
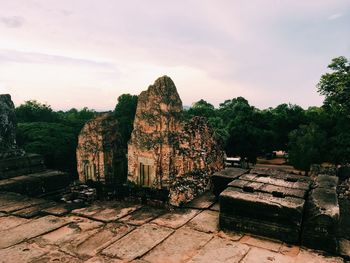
[
  {"x": 22, "y": 172},
  {"x": 100, "y": 157},
  {"x": 166, "y": 152},
  {"x": 276, "y": 204},
  {"x": 8, "y": 124}
]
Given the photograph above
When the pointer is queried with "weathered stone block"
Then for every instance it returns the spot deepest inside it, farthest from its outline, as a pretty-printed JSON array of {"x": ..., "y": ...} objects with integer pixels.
[
  {"x": 7, "y": 123},
  {"x": 22, "y": 165},
  {"x": 221, "y": 179},
  {"x": 322, "y": 215},
  {"x": 268, "y": 205}
]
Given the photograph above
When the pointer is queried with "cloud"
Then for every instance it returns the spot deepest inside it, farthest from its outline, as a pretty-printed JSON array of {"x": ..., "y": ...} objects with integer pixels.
[
  {"x": 12, "y": 21},
  {"x": 15, "y": 56},
  {"x": 335, "y": 16}
]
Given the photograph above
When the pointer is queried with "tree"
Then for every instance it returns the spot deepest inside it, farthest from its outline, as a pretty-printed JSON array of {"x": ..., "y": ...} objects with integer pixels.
[
  {"x": 32, "y": 111},
  {"x": 125, "y": 113},
  {"x": 202, "y": 108},
  {"x": 306, "y": 146},
  {"x": 335, "y": 86},
  {"x": 56, "y": 142},
  {"x": 285, "y": 118}
]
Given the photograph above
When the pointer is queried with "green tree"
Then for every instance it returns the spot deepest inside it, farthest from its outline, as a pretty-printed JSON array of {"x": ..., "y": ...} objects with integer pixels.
[
  {"x": 285, "y": 118},
  {"x": 202, "y": 108},
  {"x": 125, "y": 113},
  {"x": 307, "y": 146},
  {"x": 335, "y": 86},
  {"x": 56, "y": 142},
  {"x": 34, "y": 111}
]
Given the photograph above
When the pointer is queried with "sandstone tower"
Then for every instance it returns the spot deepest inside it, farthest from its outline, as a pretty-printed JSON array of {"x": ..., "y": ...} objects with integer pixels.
[
  {"x": 100, "y": 157},
  {"x": 165, "y": 152}
]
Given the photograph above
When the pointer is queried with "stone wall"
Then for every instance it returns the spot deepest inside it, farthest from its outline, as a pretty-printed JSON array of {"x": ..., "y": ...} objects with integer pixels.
[
  {"x": 100, "y": 157},
  {"x": 165, "y": 152},
  {"x": 7, "y": 123}
]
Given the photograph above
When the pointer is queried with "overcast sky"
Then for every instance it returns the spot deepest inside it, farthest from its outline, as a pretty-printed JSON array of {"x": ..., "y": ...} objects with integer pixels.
[{"x": 76, "y": 53}]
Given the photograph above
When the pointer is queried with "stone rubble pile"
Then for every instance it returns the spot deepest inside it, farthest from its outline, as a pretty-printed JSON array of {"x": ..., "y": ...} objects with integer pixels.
[{"x": 79, "y": 194}]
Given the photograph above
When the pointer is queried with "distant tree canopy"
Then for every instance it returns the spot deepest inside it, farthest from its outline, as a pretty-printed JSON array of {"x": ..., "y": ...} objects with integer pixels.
[{"x": 50, "y": 133}]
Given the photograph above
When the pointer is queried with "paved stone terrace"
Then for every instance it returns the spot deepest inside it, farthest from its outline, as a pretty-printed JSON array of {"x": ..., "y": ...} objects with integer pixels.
[{"x": 35, "y": 230}]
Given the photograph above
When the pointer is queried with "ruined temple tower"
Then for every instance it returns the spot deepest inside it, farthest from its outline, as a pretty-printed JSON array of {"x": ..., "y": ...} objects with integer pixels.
[
  {"x": 165, "y": 152},
  {"x": 156, "y": 128},
  {"x": 100, "y": 157}
]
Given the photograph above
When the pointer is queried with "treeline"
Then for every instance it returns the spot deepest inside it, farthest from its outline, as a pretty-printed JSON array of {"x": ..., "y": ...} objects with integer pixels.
[
  {"x": 54, "y": 134},
  {"x": 313, "y": 135}
]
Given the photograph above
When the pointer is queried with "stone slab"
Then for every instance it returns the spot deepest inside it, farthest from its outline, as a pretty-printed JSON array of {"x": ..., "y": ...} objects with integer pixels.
[
  {"x": 281, "y": 191},
  {"x": 202, "y": 202},
  {"x": 107, "y": 212},
  {"x": 221, "y": 250},
  {"x": 179, "y": 247},
  {"x": 176, "y": 218},
  {"x": 79, "y": 228},
  {"x": 215, "y": 207},
  {"x": 8, "y": 222},
  {"x": 273, "y": 245},
  {"x": 115, "y": 212},
  {"x": 29, "y": 230},
  {"x": 283, "y": 181},
  {"x": 258, "y": 255},
  {"x": 102, "y": 259},
  {"x": 13, "y": 206},
  {"x": 34, "y": 210},
  {"x": 221, "y": 179},
  {"x": 57, "y": 256},
  {"x": 207, "y": 221},
  {"x": 21, "y": 253},
  {"x": 100, "y": 240},
  {"x": 306, "y": 255},
  {"x": 142, "y": 216},
  {"x": 138, "y": 242}
]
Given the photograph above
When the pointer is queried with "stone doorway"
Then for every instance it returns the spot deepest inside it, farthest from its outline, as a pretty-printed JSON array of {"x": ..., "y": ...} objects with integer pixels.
[{"x": 145, "y": 178}]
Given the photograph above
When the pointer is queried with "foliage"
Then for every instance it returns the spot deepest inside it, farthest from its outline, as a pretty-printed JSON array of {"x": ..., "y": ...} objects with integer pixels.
[
  {"x": 55, "y": 141},
  {"x": 125, "y": 113},
  {"x": 335, "y": 86},
  {"x": 32, "y": 111},
  {"x": 52, "y": 134},
  {"x": 307, "y": 146}
]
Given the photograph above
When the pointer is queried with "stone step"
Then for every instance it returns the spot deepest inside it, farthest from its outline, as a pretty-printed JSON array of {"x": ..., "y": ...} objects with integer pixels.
[
  {"x": 221, "y": 179},
  {"x": 37, "y": 183},
  {"x": 22, "y": 165}
]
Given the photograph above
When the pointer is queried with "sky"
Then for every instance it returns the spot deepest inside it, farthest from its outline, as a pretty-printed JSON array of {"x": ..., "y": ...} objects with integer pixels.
[{"x": 77, "y": 53}]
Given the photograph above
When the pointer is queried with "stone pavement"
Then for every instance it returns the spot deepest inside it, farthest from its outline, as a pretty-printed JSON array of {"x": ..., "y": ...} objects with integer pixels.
[{"x": 129, "y": 232}]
